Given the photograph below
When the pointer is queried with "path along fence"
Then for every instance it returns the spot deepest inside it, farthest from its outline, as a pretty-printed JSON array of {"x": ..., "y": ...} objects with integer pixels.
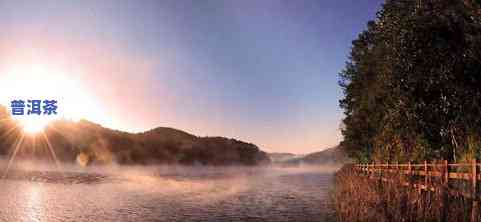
[{"x": 450, "y": 179}]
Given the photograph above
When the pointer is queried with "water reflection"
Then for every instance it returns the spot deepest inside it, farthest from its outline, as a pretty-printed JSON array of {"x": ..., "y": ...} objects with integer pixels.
[
  {"x": 172, "y": 194},
  {"x": 34, "y": 204}
]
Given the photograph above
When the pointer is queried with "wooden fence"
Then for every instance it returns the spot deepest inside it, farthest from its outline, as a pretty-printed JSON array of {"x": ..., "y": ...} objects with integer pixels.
[{"x": 451, "y": 179}]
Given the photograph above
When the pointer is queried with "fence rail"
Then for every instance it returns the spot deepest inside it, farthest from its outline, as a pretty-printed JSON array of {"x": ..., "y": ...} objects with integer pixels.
[
  {"x": 463, "y": 171},
  {"x": 424, "y": 176}
]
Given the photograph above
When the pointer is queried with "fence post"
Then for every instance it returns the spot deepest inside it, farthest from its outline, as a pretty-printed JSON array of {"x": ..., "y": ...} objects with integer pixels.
[
  {"x": 369, "y": 167},
  {"x": 474, "y": 205},
  {"x": 446, "y": 172},
  {"x": 399, "y": 174},
  {"x": 409, "y": 173},
  {"x": 445, "y": 192},
  {"x": 387, "y": 168},
  {"x": 374, "y": 169},
  {"x": 425, "y": 175}
]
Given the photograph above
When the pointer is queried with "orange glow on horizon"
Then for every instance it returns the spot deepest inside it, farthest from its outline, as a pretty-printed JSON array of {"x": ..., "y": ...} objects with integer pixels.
[{"x": 47, "y": 82}]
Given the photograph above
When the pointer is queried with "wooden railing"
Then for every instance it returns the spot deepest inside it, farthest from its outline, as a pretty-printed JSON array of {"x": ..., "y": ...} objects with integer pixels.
[{"x": 455, "y": 179}]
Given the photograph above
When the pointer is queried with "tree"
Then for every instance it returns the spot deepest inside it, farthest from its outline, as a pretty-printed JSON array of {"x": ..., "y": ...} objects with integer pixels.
[{"x": 412, "y": 85}]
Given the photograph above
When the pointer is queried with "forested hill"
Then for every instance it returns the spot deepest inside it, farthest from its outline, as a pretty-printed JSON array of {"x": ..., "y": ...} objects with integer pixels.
[
  {"x": 330, "y": 156},
  {"x": 412, "y": 85},
  {"x": 89, "y": 143},
  {"x": 334, "y": 155}
]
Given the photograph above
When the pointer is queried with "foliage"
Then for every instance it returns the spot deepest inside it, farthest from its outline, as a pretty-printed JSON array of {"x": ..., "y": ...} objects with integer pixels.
[{"x": 412, "y": 85}]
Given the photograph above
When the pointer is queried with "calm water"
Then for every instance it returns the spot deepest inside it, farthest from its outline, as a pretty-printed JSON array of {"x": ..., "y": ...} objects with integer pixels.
[{"x": 168, "y": 194}]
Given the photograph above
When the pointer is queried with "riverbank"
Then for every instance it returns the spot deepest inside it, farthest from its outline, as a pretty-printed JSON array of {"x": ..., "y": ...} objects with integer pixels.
[{"x": 360, "y": 198}]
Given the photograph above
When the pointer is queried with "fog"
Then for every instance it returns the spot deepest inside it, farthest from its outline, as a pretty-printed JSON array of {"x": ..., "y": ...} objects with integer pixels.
[{"x": 39, "y": 191}]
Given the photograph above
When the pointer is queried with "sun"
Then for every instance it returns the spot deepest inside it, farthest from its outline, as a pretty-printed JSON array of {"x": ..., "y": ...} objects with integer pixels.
[
  {"x": 43, "y": 81},
  {"x": 34, "y": 126}
]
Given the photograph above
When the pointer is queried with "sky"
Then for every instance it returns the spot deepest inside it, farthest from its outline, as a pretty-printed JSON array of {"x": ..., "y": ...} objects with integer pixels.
[{"x": 261, "y": 71}]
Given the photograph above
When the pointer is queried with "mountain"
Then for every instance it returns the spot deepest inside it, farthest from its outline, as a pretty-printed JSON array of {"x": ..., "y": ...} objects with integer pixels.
[
  {"x": 281, "y": 157},
  {"x": 89, "y": 143},
  {"x": 334, "y": 155}
]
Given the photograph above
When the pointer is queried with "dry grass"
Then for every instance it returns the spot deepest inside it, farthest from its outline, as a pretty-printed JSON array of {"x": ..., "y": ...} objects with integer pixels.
[{"x": 358, "y": 198}]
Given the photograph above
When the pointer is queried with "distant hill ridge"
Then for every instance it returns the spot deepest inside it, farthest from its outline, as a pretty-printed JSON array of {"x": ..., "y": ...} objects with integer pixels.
[
  {"x": 88, "y": 143},
  {"x": 334, "y": 155},
  {"x": 282, "y": 157},
  {"x": 168, "y": 132}
]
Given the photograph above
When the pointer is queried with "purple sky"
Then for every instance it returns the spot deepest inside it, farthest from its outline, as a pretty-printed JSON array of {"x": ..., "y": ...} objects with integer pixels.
[{"x": 261, "y": 71}]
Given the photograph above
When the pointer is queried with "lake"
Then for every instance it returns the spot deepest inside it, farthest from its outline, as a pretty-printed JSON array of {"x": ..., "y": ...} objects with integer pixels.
[{"x": 166, "y": 194}]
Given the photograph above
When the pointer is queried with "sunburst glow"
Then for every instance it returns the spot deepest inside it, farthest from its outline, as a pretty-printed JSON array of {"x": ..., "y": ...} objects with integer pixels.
[
  {"x": 47, "y": 82},
  {"x": 34, "y": 125}
]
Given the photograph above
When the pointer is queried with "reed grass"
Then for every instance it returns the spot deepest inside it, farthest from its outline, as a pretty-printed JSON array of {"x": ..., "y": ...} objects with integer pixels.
[{"x": 356, "y": 197}]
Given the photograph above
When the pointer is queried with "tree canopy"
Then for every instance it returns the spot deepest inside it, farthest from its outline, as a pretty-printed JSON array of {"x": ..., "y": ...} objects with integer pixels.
[{"x": 412, "y": 84}]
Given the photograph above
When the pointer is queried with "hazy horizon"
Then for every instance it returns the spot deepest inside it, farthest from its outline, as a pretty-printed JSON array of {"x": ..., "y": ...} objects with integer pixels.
[{"x": 262, "y": 72}]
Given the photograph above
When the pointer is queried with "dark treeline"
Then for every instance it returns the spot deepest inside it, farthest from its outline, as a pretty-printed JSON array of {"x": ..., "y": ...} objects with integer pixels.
[
  {"x": 88, "y": 143},
  {"x": 412, "y": 84}
]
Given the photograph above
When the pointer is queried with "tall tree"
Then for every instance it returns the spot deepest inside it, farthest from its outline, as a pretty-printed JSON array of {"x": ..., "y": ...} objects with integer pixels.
[{"x": 412, "y": 84}]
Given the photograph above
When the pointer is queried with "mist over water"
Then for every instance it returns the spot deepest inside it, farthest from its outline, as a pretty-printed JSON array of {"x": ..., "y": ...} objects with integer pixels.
[{"x": 40, "y": 192}]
